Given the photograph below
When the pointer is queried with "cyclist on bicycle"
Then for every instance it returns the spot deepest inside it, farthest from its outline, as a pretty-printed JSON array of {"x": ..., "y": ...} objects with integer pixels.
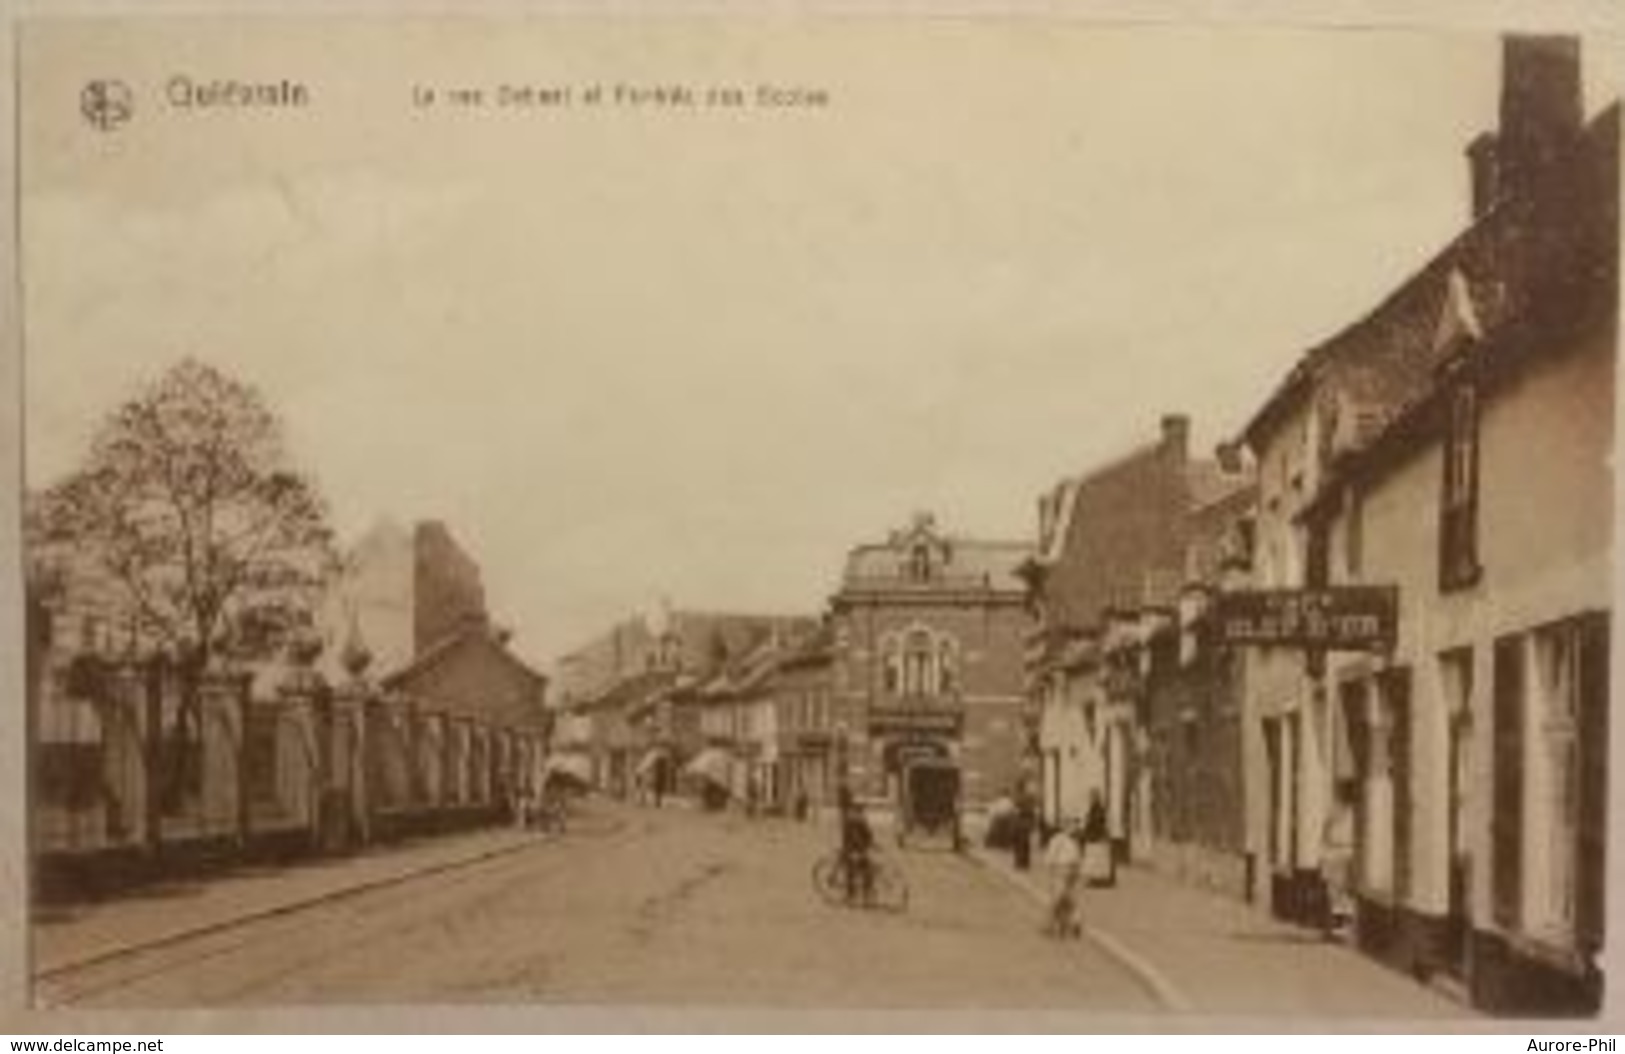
[{"x": 857, "y": 842}]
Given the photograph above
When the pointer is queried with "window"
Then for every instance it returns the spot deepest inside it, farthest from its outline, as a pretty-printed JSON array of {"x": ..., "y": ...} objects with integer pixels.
[
  {"x": 1354, "y": 537},
  {"x": 1592, "y": 879},
  {"x": 1246, "y": 539},
  {"x": 1551, "y": 780},
  {"x": 1557, "y": 657},
  {"x": 1317, "y": 554},
  {"x": 1506, "y": 818},
  {"x": 919, "y": 563},
  {"x": 1458, "y": 514},
  {"x": 919, "y": 664}
]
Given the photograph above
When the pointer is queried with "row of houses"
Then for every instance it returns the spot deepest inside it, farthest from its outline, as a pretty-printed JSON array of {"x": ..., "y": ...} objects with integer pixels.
[
  {"x": 1437, "y": 477},
  {"x": 1353, "y": 664},
  {"x": 917, "y": 655}
]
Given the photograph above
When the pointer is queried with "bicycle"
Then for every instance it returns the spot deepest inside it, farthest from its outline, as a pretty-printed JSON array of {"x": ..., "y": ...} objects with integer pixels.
[{"x": 887, "y": 889}]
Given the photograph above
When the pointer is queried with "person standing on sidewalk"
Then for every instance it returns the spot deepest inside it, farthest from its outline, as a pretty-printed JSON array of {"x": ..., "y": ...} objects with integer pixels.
[
  {"x": 1337, "y": 859},
  {"x": 1025, "y": 822},
  {"x": 1098, "y": 866}
]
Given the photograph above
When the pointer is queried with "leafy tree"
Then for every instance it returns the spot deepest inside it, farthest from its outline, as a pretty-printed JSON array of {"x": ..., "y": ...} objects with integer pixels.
[{"x": 190, "y": 503}]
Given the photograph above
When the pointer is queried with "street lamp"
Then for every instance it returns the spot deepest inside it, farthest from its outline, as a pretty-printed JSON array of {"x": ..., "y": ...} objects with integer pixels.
[{"x": 842, "y": 749}]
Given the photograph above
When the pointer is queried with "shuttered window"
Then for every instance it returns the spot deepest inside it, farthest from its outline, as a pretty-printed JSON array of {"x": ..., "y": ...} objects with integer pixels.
[
  {"x": 1458, "y": 515},
  {"x": 1506, "y": 825},
  {"x": 1557, "y": 668},
  {"x": 1593, "y": 819},
  {"x": 1396, "y": 698}
]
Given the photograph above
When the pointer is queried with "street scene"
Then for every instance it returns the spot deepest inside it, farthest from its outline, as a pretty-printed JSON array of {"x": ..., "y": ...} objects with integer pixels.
[
  {"x": 595, "y": 648},
  {"x": 496, "y": 917}
]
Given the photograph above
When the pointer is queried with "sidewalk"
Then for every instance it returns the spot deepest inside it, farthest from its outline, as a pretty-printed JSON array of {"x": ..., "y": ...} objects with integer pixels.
[
  {"x": 78, "y": 935},
  {"x": 1203, "y": 953}
]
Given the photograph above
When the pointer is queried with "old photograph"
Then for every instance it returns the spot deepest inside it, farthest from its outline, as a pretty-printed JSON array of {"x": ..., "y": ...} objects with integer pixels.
[{"x": 818, "y": 512}]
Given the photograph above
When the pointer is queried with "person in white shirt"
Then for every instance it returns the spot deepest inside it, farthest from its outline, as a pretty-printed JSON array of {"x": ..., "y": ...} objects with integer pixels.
[{"x": 1063, "y": 859}]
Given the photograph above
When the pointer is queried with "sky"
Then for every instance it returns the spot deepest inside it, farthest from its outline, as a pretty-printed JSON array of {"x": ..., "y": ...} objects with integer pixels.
[{"x": 695, "y": 355}]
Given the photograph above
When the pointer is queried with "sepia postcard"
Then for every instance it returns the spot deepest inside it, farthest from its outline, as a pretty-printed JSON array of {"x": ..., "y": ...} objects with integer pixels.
[{"x": 1099, "y": 523}]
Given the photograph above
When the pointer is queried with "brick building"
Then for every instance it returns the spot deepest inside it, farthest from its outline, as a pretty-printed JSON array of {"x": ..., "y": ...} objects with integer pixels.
[
  {"x": 927, "y": 660},
  {"x": 805, "y": 719},
  {"x": 640, "y": 698},
  {"x": 1194, "y": 694},
  {"x": 1111, "y": 563}
]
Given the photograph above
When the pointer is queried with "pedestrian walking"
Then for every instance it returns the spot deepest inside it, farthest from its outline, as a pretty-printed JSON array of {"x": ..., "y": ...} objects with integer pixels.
[
  {"x": 1098, "y": 866},
  {"x": 1063, "y": 859}
]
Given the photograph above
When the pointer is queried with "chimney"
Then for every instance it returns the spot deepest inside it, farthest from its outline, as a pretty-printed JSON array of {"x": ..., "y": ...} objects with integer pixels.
[
  {"x": 1482, "y": 169},
  {"x": 1176, "y": 433},
  {"x": 1541, "y": 108}
]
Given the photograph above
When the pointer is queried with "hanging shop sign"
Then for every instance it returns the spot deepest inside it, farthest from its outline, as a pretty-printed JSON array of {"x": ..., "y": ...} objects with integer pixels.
[{"x": 1335, "y": 618}]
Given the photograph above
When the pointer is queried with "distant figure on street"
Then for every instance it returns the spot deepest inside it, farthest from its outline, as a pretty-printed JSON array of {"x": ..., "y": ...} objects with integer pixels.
[
  {"x": 801, "y": 805},
  {"x": 857, "y": 842},
  {"x": 1337, "y": 858},
  {"x": 1063, "y": 858},
  {"x": 1025, "y": 824},
  {"x": 1097, "y": 849}
]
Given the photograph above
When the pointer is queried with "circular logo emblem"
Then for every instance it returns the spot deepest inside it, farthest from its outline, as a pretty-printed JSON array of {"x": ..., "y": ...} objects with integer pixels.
[{"x": 106, "y": 104}]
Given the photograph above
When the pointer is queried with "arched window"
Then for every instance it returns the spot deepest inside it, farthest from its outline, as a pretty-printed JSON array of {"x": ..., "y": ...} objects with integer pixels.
[
  {"x": 946, "y": 673},
  {"x": 919, "y": 563},
  {"x": 892, "y": 669}
]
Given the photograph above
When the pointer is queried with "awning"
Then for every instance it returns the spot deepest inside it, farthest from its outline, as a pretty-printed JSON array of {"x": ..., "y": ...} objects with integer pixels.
[{"x": 712, "y": 764}]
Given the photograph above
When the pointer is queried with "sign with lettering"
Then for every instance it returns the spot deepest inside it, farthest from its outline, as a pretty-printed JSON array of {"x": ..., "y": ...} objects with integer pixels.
[
  {"x": 887, "y": 721},
  {"x": 1336, "y": 618}
]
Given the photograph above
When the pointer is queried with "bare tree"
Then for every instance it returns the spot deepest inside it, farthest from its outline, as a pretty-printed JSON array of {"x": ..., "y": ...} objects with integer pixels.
[{"x": 189, "y": 501}]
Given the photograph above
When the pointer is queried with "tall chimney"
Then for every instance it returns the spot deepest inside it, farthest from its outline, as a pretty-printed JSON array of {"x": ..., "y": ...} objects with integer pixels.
[
  {"x": 1541, "y": 108},
  {"x": 1176, "y": 433}
]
